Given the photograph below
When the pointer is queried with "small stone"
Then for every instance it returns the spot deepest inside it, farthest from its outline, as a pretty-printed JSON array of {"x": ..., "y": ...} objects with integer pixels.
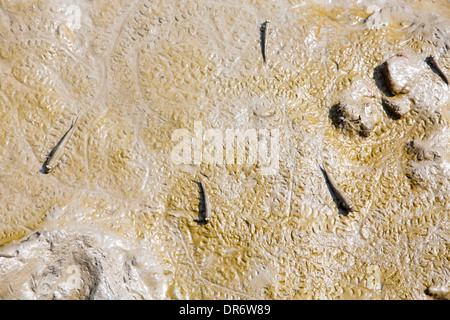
[
  {"x": 396, "y": 107},
  {"x": 378, "y": 19},
  {"x": 400, "y": 74},
  {"x": 355, "y": 117},
  {"x": 424, "y": 150},
  {"x": 441, "y": 292}
]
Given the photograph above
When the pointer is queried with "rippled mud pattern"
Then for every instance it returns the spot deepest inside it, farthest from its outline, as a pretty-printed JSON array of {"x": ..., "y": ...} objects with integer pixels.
[{"x": 135, "y": 71}]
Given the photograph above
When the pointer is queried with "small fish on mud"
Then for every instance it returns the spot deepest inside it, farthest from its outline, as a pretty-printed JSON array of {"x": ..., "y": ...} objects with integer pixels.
[
  {"x": 58, "y": 150},
  {"x": 343, "y": 201},
  {"x": 205, "y": 215},
  {"x": 264, "y": 35},
  {"x": 431, "y": 61}
]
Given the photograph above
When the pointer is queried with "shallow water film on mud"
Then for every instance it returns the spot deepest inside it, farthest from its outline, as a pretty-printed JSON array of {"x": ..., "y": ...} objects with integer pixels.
[{"x": 219, "y": 150}]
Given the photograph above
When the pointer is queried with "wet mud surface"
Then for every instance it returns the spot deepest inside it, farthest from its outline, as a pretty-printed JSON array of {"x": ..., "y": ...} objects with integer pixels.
[{"x": 150, "y": 80}]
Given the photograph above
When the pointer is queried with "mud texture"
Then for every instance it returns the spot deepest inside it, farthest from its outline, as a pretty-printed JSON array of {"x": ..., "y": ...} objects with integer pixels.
[{"x": 119, "y": 211}]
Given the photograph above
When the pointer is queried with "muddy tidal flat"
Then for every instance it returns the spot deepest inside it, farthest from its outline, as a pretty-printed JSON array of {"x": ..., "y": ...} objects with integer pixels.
[{"x": 224, "y": 150}]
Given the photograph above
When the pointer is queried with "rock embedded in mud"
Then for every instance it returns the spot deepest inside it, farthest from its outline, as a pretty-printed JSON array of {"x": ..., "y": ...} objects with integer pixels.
[
  {"x": 422, "y": 174},
  {"x": 354, "y": 117},
  {"x": 424, "y": 150},
  {"x": 428, "y": 166},
  {"x": 441, "y": 292},
  {"x": 400, "y": 73},
  {"x": 396, "y": 107},
  {"x": 378, "y": 19}
]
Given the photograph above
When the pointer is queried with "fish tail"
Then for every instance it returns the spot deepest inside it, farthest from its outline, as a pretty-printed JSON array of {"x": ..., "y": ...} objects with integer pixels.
[
  {"x": 74, "y": 122},
  {"x": 321, "y": 166}
]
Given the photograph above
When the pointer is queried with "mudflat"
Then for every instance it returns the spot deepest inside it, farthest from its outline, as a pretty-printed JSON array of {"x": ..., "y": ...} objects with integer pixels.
[{"x": 167, "y": 91}]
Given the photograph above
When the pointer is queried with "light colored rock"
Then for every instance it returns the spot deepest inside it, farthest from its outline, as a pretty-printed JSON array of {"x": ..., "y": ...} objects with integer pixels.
[
  {"x": 378, "y": 19},
  {"x": 400, "y": 73},
  {"x": 439, "y": 292},
  {"x": 396, "y": 106},
  {"x": 354, "y": 117},
  {"x": 424, "y": 150},
  {"x": 428, "y": 167}
]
